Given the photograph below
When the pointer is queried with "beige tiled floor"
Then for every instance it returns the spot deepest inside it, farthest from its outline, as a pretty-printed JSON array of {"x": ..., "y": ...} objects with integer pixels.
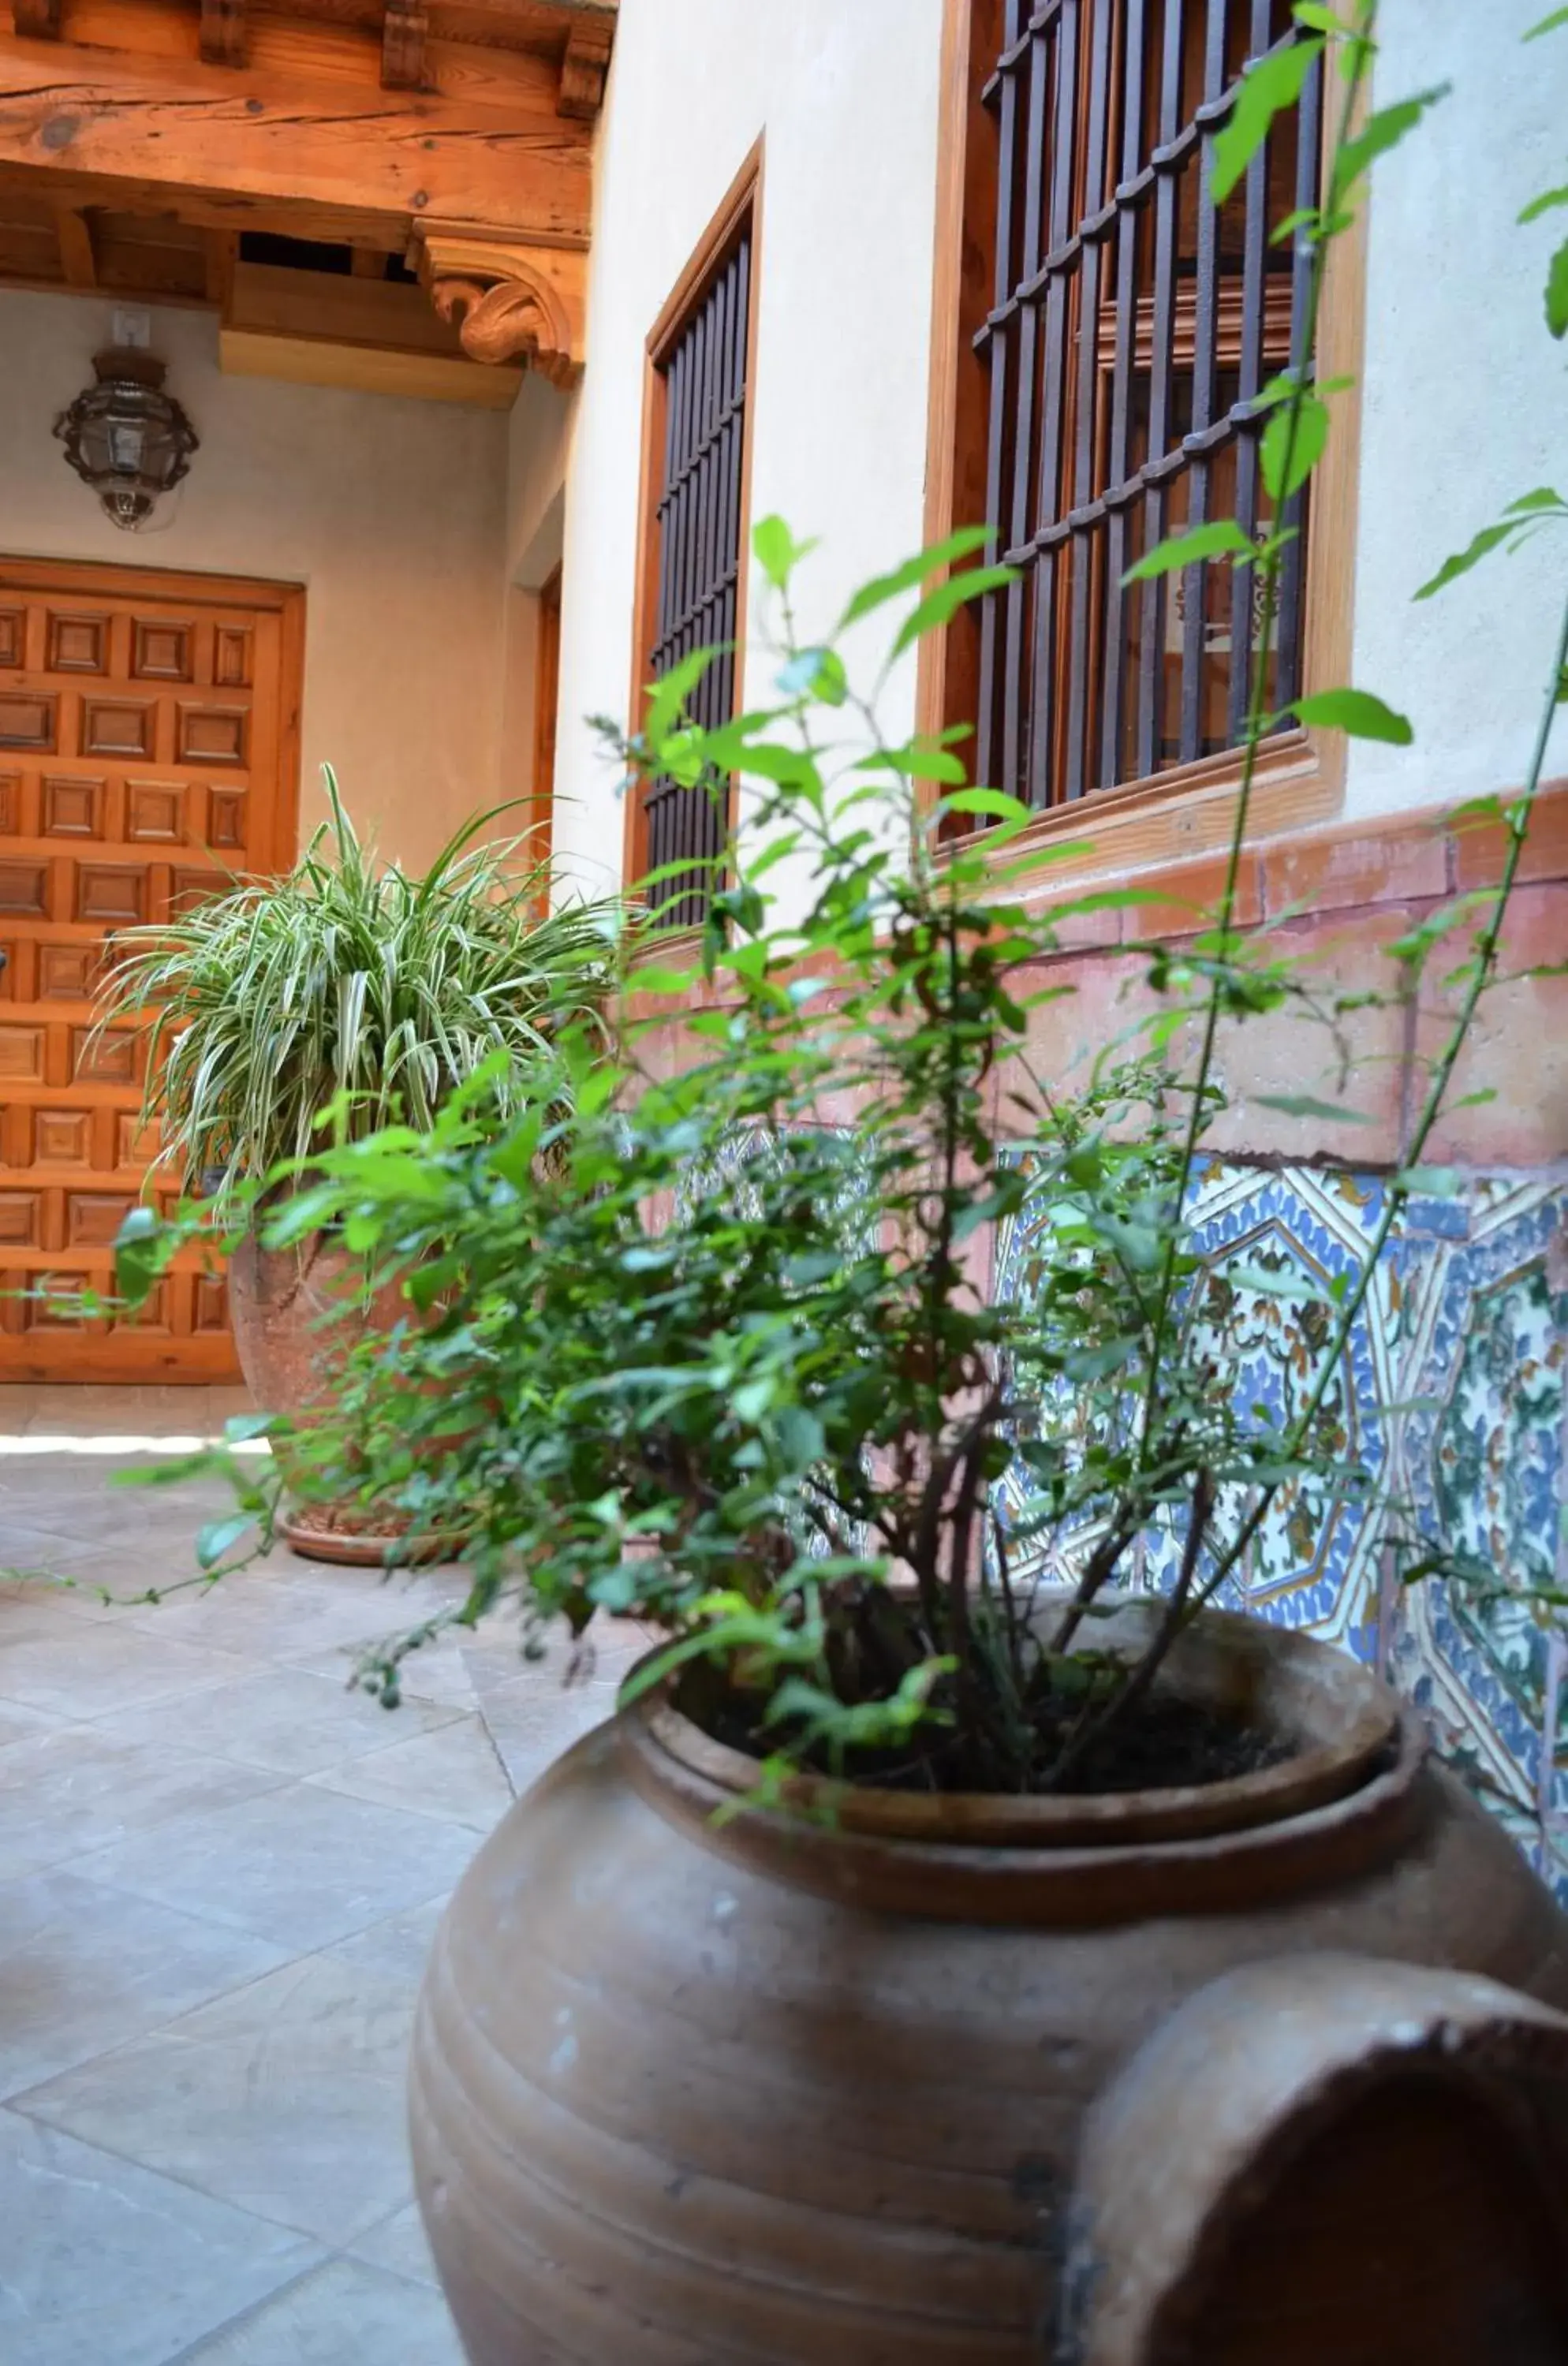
[{"x": 219, "y": 1871}]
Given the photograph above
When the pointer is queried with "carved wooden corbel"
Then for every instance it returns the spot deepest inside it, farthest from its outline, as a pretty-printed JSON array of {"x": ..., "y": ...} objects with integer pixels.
[{"x": 510, "y": 302}]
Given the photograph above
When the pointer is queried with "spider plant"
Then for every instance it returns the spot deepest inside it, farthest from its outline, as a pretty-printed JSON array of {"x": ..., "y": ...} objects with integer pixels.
[{"x": 347, "y": 985}]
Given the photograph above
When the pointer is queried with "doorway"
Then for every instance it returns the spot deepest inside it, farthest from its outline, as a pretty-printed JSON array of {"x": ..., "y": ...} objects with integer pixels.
[{"x": 149, "y": 754}]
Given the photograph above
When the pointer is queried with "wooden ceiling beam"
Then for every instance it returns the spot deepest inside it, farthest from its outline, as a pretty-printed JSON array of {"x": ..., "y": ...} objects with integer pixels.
[
  {"x": 37, "y": 19},
  {"x": 404, "y": 30},
  {"x": 78, "y": 259},
  {"x": 334, "y": 225},
  {"x": 190, "y": 130},
  {"x": 224, "y": 32}
]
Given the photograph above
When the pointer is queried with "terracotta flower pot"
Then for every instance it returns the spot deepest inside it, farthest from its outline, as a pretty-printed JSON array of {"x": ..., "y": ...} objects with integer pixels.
[
  {"x": 296, "y": 1314},
  {"x": 779, "y": 2093}
]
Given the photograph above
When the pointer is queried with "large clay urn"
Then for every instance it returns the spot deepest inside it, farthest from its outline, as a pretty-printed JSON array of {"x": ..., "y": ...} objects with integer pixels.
[{"x": 1115, "y": 2080}]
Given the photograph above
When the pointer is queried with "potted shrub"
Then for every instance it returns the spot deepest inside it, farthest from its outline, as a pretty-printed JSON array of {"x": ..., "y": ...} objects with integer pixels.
[
  {"x": 769, "y": 2025},
  {"x": 930, "y": 1962},
  {"x": 342, "y": 995}
]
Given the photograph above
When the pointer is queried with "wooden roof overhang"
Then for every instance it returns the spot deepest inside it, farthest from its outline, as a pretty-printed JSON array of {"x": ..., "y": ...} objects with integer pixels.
[{"x": 391, "y": 175}]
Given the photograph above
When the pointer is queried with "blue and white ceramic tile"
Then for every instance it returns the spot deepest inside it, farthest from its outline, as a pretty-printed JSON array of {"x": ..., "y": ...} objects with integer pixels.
[{"x": 1458, "y": 1411}]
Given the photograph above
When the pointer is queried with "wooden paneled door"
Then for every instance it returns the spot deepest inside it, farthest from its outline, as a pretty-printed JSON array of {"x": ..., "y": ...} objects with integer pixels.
[{"x": 149, "y": 752}]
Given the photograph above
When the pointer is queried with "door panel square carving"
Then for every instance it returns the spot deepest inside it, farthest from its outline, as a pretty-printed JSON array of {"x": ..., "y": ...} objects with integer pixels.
[
  {"x": 78, "y": 645},
  {"x": 188, "y": 888},
  {"x": 211, "y": 735},
  {"x": 117, "y": 726},
  {"x": 67, "y": 973},
  {"x": 211, "y": 1303},
  {"x": 161, "y": 652},
  {"x": 153, "y": 1314},
  {"x": 226, "y": 820},
  {"x": 110, "y": 1061},
  {"x": 19, "y": 1220},
  {"x": 135, "y": 1144},
  {"x": 93, "y": 1218},
  {"x": 155, "y": 810},
  {"x": 12, "y": 635},
  {"x": 55, "y": 1303},
  {"x": 232, "y": 656},
  {"x": 111, "y": 892},
  {"x": 22, "y": 886},
  {"x": 10, "y": 806},
  {"x": 28, "y": 718},
  {"x": 73, "y": 808},
  {"x": 21, "y": 1055},
  {"x": 62, "y": 1137}
]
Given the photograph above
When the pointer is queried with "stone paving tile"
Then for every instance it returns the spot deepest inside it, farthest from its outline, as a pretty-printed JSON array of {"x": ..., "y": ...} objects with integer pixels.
[
  {"x": 394, "y": 2322},
  {"x": 84, "y": 1969},
  {"x": 102, "y": 2263},
  {"x": 280, "y": 1611},
  {"x": 20, "y": 1724},
  {"x": 297, "y": 1866},
  {"x": 453, "y": 1773},
  {"x": 399, "y": 1949},
  {"x": 204, "y": 2004},
  {"x": 286, "y": 2099},
  {"x": 436, "y": 1673},
  {"x": 105, "y": 1666},
  {"x": 287, "y": 1721},
  {"x": 73, "y": 1788},
  {"x": 535, "y": 1718},
  {"x": 399, "y": 2245}
]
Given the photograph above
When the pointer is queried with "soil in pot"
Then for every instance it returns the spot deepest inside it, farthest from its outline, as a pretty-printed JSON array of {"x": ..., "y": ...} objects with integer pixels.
[
  {"x": 778, "y": 2089},
  {"x": 1173, "y": 1743}
]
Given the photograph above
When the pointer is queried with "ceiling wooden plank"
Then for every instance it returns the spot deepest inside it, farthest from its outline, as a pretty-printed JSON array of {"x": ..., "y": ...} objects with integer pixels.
[
  {"x": 393, "y": 313},
  {"x": 77, "y": 260},
  {"x": 403, "y": 29},
  {"x": 224, "y": 36},
  {"x": 366, "y": 369},
  {"x": 39, "y": 19},
  {"x": 291, "y": 141}
]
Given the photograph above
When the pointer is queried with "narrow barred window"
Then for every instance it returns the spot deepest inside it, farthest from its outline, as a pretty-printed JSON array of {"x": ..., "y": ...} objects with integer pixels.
[
  {"x": 694, "y": 530},
  {"x": 1132, "y": 325}
]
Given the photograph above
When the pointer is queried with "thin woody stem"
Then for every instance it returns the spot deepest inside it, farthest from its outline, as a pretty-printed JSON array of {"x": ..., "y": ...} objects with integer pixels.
[
  {"x": 1400, "y": 1188},
  {"x": 1257, "y": 715}
]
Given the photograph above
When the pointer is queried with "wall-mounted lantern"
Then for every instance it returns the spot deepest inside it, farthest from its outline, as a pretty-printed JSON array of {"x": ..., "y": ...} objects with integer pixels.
[{"x": 126, "y": 437}]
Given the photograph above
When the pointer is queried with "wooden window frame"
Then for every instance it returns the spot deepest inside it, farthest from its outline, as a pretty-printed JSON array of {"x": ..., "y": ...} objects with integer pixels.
[
  {"x": 547, "y": 700},
  {"x": 742, "y": 198},
  {"x": 1189, "y": 808}
]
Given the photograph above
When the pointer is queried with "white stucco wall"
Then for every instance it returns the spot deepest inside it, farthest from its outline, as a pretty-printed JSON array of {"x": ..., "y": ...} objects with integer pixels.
[
  {"x": 1463, "y": 390},
  {"x": 391, "y": 513},
  {"x": 1465, "y": 402},
  {"x": 847, "y": 93}
]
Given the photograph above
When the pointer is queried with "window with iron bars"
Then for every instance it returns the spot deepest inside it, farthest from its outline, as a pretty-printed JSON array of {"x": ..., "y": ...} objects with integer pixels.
[
  {"x": 1132, "y": 325},
  {"x": 695, "y": 532}
]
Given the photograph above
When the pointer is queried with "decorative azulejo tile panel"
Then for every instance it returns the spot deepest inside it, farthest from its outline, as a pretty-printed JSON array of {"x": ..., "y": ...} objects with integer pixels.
[{"x": 1456, "y": 1412}]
